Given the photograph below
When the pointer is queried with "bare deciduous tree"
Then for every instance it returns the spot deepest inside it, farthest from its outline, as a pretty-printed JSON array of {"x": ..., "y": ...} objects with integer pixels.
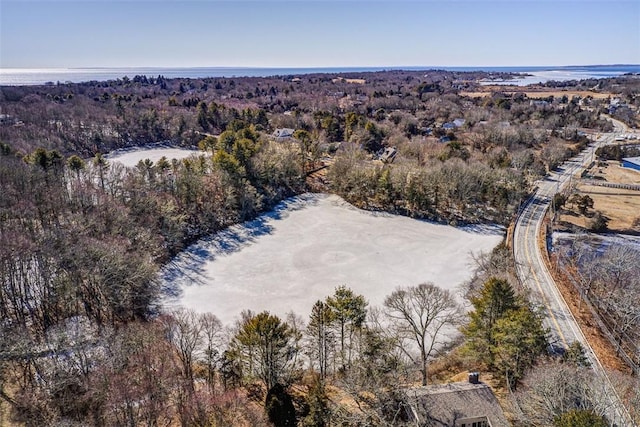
[
  {"x": 420, "y": 313},
  {"x": 185, "y": 332},
  {"x": 211, "y": 328}
]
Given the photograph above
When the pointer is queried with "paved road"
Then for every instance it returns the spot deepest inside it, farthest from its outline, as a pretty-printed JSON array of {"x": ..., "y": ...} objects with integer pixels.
[{"x": 533, "y": 273}]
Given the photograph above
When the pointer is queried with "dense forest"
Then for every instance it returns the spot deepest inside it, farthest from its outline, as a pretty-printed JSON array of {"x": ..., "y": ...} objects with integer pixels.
[{"x": 84, "y": 340}]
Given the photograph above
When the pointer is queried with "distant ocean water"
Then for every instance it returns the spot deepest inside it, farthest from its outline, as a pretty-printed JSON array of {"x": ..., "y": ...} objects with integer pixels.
[{"x": 30, "y": 77}]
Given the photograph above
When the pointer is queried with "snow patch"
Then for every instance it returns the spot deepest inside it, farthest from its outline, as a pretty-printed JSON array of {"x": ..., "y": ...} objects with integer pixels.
[{"x": 130, "y": 158}]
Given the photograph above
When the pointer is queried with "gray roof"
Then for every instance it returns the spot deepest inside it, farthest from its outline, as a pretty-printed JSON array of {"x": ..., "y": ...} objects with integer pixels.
[
  {"x": 284, "y": 133},
  {"x": 447, "y": 405}
]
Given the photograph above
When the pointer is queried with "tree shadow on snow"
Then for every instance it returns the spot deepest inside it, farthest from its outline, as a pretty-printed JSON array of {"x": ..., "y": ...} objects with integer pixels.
[
  {"x": 188, "y": 268},
  {"x": 486, "y": 229}
]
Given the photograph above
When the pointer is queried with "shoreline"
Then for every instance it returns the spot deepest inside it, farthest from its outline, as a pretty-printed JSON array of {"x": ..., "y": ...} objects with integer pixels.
[{"x": 53, "y": 76}]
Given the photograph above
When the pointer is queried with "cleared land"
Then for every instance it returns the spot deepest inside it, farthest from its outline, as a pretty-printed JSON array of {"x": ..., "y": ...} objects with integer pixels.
[
  {"x": 132, "y": 157},
  {"x": 289, "y": 258},
  {"x": 538, "y": 93},
  {"x": 620, "y": 206},
  {"x": 611, "y": 171}
]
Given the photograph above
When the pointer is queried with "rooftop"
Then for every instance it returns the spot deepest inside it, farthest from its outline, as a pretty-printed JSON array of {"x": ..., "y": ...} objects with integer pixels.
[
  {"x": 463, "y": 386},
  {"x": 283, "y": 133},
  {"x": 451, "y": 405},
  {"x": 634, "y": 160}
]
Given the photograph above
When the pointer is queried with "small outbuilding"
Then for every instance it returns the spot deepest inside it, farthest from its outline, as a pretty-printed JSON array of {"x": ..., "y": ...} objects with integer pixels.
[
  {"x": 459, "y": 122},
  {"x": 388, "y": 154},
  {"x": 6, "y": 119},
  {"x": 631, "y": 163},
  {"x": 284, "y": 133}
]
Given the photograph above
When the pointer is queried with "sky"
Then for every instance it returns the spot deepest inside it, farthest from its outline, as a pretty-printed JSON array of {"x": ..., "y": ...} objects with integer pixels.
[{"x": 305, "y": 33}]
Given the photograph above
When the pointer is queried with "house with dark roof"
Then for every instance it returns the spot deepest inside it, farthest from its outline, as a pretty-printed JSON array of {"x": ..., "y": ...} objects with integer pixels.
[{"x": 461, "y": 404}]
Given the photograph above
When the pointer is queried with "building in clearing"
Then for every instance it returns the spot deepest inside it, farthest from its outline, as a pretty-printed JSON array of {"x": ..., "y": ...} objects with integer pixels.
[
  {"x": 6, "y": 119},
  {"x": 284, "y": 133},
  {"x": 459, "y": 122},
  {"x": 462, "y": 404},
  {"x": 388, "y": 154},
  {"x": 631, "y": 163}
]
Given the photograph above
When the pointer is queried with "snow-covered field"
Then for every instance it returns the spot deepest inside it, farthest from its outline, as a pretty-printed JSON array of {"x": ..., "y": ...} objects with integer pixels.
[
  {"x": 291, "y": 257},
  {"x": 131, "y": 158}
]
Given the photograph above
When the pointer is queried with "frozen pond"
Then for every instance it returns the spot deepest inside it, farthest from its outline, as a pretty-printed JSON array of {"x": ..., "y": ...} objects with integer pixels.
[
  {"x": 300, "y": 252},
  {"x": 130, "y": 158}
]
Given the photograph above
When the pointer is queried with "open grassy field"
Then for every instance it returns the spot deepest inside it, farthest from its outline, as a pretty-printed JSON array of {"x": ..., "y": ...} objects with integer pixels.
[
  {"x": 620, "y": 206},
  {"x": 611, "y": 171},
  {"x": 535, "y": 92}
]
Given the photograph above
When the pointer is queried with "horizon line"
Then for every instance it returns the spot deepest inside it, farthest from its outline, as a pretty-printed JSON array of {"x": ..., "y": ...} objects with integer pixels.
[{"x": 311, "y": 67}]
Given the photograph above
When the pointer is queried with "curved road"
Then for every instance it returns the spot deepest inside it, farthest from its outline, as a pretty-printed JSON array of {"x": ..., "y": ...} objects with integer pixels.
[{"x": 533, "y": 273}]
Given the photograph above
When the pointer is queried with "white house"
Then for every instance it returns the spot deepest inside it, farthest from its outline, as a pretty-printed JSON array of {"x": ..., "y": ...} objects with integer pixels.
[
  {"x": 458, "y": 122},
  {"x": 283, "y": 133}
]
